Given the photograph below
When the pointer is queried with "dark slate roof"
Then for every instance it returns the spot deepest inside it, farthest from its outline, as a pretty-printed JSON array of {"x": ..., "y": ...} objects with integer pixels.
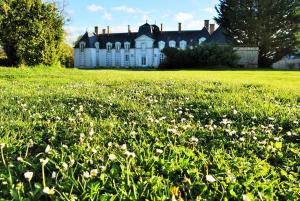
[
  {"x": 218, "y": 37},
  {"x": 153, "y": 31}
]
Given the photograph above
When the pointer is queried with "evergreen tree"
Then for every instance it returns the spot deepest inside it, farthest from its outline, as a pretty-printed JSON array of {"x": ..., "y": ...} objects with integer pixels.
[
  {"x": 270, "y": 25},
  {"x": 31, "y": 31}
]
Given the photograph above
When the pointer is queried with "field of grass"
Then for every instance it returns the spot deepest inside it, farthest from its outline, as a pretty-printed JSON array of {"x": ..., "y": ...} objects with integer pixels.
[{"x": 149, "y": 135}]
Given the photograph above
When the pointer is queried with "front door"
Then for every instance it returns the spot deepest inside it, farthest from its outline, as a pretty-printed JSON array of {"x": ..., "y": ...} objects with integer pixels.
[{"x": 144, "y": 61}]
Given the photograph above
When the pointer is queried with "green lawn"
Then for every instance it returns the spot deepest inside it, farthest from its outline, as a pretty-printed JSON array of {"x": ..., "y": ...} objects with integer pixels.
[{"x": 149, "y": 135}]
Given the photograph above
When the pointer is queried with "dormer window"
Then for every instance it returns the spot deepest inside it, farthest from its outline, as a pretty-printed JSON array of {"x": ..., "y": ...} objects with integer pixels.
[
  {"x": 172, "y": 44},
  {"x": 127, "y": 46},
  {"x": 161, "y": 45},
  {"x": 118, "y": 46},
  {"x": 82, "y": 46},
  {"x": 97, "y": 46},
  {"x": 182, "y": 44},
  {"x": 201, "y": 40},
  {"x": 108, "y": 47}
]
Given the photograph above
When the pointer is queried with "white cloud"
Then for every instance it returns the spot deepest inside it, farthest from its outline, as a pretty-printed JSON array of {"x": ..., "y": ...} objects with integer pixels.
[
  {"x": 182, "y": 17},
  {"x": 95, "y": 8},
  {"x": 127, "y": 9}
]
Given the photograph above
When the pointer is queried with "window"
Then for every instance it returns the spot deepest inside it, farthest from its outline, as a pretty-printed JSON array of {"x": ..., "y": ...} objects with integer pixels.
[
  {"x": 127, "y": 46},
  {"x": 172, "y": 44},
  {"x": 97, "y": 46},
  {"x": 82, "y": 46},
  {"x": 162, "y": 58},
  {"x": 201, "y": 40},
  {"x": 161, "y": 45},
  {"x": 182, "y": 44},
  {"x": 108, "y": 47},
  {"x": 118, "y": 46},
  {"x": 144, "y": 61},
  {"x": 127, "y": 58},
  {"x": 143, "y": 46}
]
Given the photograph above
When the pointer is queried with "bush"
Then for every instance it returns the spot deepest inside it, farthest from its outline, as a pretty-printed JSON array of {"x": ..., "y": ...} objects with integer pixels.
[
  {"x": 67, "y": 56},
  {"x": 200, "y": 56}
]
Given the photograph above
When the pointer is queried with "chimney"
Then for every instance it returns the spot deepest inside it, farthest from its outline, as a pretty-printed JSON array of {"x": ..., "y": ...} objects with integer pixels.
[
  {"x": 161, "y": 27},
  {"x": 211, "y": 28},
  {"x": 179, "y": 26},
  {"x": 129, "y": 31},
  {"x": 103, "y": 31},
  {"x": 96, "y": 30},
  {"x": 206, "y": 24},
  {"x": 108, "y": 30}
]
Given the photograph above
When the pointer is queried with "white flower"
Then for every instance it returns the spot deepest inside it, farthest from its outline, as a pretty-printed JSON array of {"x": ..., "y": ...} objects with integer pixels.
[
  {"x": 112, "y": 157},
  {"x": 53, "y": 175},
  {"x": 65, "y": 166},
  {"x": 30, "y": 143},
  {"x": 242, "y": 139},
  {"x": 86, "y": 174},
  {"x": 48, "y": 191},
  {"x": 48, "y": 149},
  {"x": 94, "y": 172},
  {"x": 194, "y": 139},
  {"x": 91, "y": 133},
  {"x": 72, "y": 161},
  {"x": 110, "y": 144},
  {"x": 124, "y": 147},
  {"x": 44, "y": 161},
  {"x": 81, "y": 108},
  {"x": 20, "y": 159},
  {"x": 130, "y": 154},
  {"x": 289, "y": 133},
  {"x": 159, "y": 151},
  {"x": 246, "y": 198},
  {"x": 210, "y": 178},
  {"x": 28, "y": 175},
  {"x": 276, "y": 139},
  {"x": 271, "y": 118},
  {"x": 235, "y": 111}
]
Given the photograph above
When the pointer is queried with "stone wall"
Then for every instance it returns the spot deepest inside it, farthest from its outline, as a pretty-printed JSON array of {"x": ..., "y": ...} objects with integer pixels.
[{"x": 248, "y": 56}]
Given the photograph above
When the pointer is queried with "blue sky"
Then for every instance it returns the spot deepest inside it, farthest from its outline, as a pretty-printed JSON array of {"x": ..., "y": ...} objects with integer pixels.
[{"x": 85, "y": 14}]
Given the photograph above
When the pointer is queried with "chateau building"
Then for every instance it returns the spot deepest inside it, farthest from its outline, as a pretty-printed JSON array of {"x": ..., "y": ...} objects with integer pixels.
[{"x": 139, "y": 49}]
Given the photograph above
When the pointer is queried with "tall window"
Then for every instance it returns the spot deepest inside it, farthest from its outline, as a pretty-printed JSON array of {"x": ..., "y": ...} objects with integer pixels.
[
  {"x": 172, "y": 44},
  {"x": 118, "y": 46},
  {"x": 108, "y": 47},
  {"x": 182, "y": 44},
  {"x": 201, "y": 40},
  {"x": 144, "y": 61},
  {"x": 82, "y": 46},
  {"x": 127, "y": 46},
  {"x": 127, "y": 58},
  {"x": 161, "y": 45},
  {"x": 97, "y": 46},
  {"x": 162, "y": 58},
  {"x": 143, "y": 46}
]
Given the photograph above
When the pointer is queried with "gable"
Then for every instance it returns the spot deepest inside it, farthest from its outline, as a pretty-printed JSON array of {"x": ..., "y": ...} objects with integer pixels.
[{"x": 143, "y": 38}]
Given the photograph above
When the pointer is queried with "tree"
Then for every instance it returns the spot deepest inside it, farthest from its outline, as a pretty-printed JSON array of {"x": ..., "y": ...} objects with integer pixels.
[
  {"x": 268, "y": 24},
  {"x": 31, "y": 31}
]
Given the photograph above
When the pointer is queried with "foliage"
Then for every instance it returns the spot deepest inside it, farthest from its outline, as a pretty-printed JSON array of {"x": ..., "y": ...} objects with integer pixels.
[
  {"x": 134, "y": 135},
  {"x": 269, "y": 25},
  {"x": 67, "y": 56},
  {"x": 199, "y": 56},
  {"x": 31, "y": 31}
]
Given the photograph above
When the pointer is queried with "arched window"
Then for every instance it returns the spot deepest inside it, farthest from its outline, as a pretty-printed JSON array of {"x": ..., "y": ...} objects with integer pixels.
[
  {"x": 162, "y": 58},
  {"x": 108, "y": 47},
  {"x": 82, "y": 46},
  {"x": 201, "y": 40},
  {"x": 161, "y": 45},
  {"x": 172, "y": 43},
  {"x": 182, "y": 44},
  {"x": 127, "y": 46},
  {"x": 97, "y": 46},
  {"x": 118, "y": 46}
]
